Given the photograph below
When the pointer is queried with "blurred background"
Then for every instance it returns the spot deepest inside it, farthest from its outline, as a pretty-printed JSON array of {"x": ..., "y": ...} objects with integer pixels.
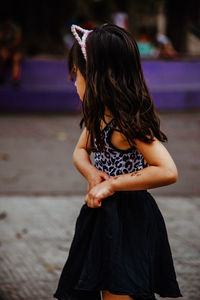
[
  {"x": 44, "y": 25},
  {"x": 41, "y": 192}
]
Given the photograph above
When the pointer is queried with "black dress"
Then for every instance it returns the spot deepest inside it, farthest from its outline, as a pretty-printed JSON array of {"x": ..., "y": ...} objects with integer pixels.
[{"x": 121, "y": 246}]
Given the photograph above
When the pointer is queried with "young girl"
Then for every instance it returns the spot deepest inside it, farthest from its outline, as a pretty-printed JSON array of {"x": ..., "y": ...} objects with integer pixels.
[{"x": 120, "y": 248}]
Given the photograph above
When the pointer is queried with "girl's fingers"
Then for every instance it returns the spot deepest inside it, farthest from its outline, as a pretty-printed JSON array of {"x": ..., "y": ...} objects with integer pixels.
[
  {"x": 104, "y": 176},
  {"x": 86, "y": 198},
  {"x": 93, "y": 203},
  {"x": 99, "y": 203},
  {"x": 101, "y": 176}
]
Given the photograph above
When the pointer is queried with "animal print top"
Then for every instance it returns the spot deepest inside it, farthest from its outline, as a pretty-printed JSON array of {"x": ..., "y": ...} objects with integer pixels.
[{"x": 115, "y": 161}]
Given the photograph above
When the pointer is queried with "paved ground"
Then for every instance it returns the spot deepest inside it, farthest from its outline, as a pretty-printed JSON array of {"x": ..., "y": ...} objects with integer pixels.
[
  {"x": 36, "y": 233},
  {"x": 36, "y": 154}
]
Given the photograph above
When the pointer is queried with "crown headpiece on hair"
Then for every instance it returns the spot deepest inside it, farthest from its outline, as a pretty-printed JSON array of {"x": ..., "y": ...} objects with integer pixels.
[{"x": 81, "y": 41}]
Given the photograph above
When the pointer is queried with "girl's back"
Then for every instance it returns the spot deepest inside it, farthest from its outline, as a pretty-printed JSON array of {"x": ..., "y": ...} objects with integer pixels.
[{"x": 117, "y": 158}]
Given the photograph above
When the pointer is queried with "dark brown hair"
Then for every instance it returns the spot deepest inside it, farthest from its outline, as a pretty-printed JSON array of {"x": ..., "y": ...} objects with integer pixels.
[{"x": 114, "y": 79}]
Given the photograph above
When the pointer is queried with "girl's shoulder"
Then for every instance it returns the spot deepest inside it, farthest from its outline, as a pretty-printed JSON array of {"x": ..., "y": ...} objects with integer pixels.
[{"x": 116, "y": 137}]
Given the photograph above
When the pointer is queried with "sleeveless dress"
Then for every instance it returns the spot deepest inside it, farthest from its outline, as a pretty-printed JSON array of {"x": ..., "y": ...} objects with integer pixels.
[{"x": 121, "y": 246}]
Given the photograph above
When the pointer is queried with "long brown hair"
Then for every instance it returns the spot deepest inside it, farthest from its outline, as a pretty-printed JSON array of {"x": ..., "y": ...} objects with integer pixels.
[{"x": 115, "y": 79}]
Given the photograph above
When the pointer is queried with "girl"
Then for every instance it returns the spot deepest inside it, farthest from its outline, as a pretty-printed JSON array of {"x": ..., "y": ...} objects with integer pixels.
[{"x": 120, "y": 250}]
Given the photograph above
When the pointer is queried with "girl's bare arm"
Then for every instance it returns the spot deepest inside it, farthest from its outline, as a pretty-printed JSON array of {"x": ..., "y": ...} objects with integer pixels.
[
  {"x": 81, "y": 156},
  {"x": 81, "y": 159},
  {"x": 161, "y": 170}
]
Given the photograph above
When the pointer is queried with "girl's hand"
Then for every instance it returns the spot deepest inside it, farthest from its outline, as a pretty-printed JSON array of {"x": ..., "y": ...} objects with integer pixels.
[
  {"x": 96, "y": 177},
  {"x": 98, "y": 193}
]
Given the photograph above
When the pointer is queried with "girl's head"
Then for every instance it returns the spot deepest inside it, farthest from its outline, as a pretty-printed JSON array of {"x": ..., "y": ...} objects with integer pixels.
[
  {"x": 112, "y": 78},
  {"x": 111, "y": 52}
]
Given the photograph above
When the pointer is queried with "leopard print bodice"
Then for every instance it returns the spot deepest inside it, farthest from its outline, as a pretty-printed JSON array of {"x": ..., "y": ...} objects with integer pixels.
[{"x": 115, "y": 161}]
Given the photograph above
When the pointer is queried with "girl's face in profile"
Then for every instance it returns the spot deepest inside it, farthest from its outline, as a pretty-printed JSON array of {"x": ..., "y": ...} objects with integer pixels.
[{"x": 80, "y": 84}]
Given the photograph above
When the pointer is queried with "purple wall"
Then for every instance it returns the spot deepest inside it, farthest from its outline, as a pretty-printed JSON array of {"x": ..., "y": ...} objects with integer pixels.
[{"x": 45, "y": 86}]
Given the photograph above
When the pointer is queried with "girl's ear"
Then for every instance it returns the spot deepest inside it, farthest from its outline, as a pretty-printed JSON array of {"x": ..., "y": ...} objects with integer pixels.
[{"x": 74, "y": 69}]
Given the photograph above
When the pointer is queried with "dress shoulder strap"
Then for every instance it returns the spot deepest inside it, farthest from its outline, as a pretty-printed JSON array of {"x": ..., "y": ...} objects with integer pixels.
[
  {"x": 114, "y": 125},
  {"x": 108, "y": 125}
]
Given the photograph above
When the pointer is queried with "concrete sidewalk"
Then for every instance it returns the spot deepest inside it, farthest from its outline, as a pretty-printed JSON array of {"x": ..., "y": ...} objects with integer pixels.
[
  {"x": 36, "y": 154},
  {"x": 36, "y": 233}
]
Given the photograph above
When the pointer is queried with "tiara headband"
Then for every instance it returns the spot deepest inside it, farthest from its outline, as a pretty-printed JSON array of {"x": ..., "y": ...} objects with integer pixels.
[{"x": 81, "y": 41}]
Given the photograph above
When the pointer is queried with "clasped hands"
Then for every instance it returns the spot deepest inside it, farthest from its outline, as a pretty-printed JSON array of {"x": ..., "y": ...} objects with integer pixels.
[{"x": 99, "y": 187}]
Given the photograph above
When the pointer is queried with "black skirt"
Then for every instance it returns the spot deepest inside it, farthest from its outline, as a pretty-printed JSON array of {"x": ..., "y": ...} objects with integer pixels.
[{"x": 121, "y": 247}]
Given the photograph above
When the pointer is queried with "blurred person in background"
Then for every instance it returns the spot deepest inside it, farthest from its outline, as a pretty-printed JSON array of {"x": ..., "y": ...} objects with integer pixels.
[
  {"x": 146, "y": 43},
  {"x": 162, "y": 43},
  {"x": 10, "y": 52},
  {"x": 153, "y": 44},
  {"x": 120, "y": 17},
  {"x": 166, "y": 49}
]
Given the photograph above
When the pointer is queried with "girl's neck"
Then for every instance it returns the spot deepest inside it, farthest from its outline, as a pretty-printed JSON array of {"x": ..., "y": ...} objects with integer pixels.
[{"x": 107, "y": 115}]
